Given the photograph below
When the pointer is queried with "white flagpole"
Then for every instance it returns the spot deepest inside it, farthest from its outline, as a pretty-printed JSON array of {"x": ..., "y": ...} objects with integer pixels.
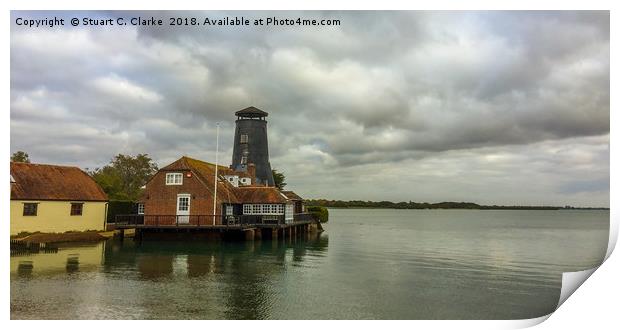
[{"x": 217, "y": 145}]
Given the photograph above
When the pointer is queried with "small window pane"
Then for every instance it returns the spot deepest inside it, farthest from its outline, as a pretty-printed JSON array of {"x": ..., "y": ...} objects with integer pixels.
[
  {"x": 76, "y": 208},
  {"x": 183, "y": 203},
  {"x": 174, "y": 178},
  {"x": 30, "y": 208},
  {"x": 140, "y": 208}
]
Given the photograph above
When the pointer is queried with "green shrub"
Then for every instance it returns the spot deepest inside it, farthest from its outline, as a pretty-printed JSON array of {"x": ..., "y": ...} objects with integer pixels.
[{"x": 319, "y": 212}]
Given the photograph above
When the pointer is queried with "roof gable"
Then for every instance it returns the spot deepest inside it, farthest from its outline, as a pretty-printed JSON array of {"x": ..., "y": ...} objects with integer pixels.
[
  {"x": 53, "y": 182},
  {"x": 206, "y": 174}
]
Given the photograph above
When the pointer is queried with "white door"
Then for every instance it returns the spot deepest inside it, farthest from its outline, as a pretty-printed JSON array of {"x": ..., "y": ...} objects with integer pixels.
[
  {"x": 229, "y": 215},
  {"x": 183, "y": 208}
]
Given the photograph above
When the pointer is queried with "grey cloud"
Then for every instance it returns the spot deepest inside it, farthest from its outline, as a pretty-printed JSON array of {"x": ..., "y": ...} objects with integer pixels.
[{"x": 388, "y": 88}]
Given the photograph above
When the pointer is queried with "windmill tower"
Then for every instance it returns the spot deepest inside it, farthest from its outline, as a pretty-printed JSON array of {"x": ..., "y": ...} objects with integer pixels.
[{"x": 250, "y": 146}]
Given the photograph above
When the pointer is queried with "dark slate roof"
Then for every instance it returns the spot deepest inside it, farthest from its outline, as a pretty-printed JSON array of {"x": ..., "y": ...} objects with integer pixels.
[
  {"x": 255, "y": 194},
  {"x": 53, "y": 182},
  {"x": 251, "y": 112},
  {"x": 292, "y": 196}
]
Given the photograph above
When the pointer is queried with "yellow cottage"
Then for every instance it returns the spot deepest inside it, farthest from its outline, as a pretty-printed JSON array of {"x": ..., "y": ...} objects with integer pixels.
[{"x": 55, "y": 199}]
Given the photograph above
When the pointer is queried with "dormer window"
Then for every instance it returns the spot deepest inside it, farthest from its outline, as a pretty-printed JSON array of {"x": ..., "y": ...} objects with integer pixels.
[
  {"x": 243, "y": 138},
  {"x": 174, "y": 178}
]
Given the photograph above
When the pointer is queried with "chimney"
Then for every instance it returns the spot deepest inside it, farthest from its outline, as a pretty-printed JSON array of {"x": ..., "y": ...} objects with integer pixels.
[{"x": 252, "y": 172}]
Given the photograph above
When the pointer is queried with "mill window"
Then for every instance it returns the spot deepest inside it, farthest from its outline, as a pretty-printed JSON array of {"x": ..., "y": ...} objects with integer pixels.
[{"x": 243, "y": 138}]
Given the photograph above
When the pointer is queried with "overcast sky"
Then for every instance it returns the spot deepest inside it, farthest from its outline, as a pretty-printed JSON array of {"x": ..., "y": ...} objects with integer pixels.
[{"x": 487, "y": 107}]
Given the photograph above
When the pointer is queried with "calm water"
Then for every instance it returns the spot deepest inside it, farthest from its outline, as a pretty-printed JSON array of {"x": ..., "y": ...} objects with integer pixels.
[{"x": 369, "y": 264}]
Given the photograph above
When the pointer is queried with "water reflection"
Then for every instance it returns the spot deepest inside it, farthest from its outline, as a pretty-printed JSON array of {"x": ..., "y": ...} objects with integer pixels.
[
  {"x": 381, "y": 264},
  {"x": 24, "y": 268},
  {"x": 204, "y": 280},
  {"x": 68, "y": 259},
  {"x": 249, "y": 270},
  {"x": 73, "y": 263}
]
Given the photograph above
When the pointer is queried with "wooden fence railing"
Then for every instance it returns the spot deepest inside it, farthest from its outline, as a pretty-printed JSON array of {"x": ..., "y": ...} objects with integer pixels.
[{"x": 204, "y": 220}]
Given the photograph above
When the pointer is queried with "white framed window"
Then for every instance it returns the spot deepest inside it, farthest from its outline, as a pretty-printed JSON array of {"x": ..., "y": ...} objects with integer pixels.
[
  {"x": 288, "y": 215},
  {"x": 140, "y": 208},
  {"x": 262, "y": 209},
  {"x": 244, "y": 160},
  {"x": 243, "y": 138},
  {"x": 183, "y": 203},
  {"x": 174, "y": 178}
]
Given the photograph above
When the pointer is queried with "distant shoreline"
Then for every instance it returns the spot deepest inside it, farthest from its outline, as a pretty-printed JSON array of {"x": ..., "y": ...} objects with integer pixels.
[{"x": 431, "y": 206}]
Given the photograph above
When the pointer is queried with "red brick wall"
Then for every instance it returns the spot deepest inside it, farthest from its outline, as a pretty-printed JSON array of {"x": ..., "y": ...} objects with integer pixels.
[{"x": 161, "y": 199}]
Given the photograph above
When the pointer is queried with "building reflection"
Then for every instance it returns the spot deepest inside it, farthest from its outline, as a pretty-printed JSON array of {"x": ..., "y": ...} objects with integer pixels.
[
  {"x": 155, "y": 266},
  {"x": 73, "y": 263},
  {"x": 24, "y": 268},
  {"x": 249, "y": 269},
  {"x": 220, "y": 280},
  {"x": 68, "y": 259}
]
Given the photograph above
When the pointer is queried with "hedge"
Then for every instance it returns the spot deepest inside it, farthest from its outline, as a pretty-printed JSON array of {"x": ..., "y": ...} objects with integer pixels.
[{"x": 319, "y": 212}]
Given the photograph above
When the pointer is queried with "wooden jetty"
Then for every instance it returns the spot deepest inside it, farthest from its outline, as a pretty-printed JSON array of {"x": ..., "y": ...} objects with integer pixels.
[{"x": 209, "y": 227}]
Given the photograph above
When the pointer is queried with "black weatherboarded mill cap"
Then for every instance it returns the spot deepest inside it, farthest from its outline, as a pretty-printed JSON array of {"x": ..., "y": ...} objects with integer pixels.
[{"x": 251, "y": 112}]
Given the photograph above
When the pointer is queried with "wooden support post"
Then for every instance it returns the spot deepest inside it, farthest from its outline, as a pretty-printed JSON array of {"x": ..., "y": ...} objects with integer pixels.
[
  {"x": 249, "y": 235},
  {"x": 274, "y": 234},
  {"x": 258, "y": 234}
]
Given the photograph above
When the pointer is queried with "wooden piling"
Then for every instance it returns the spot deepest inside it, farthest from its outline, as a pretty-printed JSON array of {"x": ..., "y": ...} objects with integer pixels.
[
  {"x": 274, "y": 234},
  {"x": 249, "y": 235}
]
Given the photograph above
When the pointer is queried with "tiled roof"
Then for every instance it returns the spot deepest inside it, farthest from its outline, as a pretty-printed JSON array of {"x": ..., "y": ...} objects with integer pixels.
[
  {"x": 226, "y": 191},
  {"x": 206, "y": 172},
  {"x": 255, "y": 194},
  {"x": 292, "y": 195},
  {"x": 53, "y": 182}
]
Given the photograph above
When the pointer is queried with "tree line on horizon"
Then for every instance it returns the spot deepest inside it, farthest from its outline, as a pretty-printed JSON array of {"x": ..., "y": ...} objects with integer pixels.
[{"x": 423, "y": 205}]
